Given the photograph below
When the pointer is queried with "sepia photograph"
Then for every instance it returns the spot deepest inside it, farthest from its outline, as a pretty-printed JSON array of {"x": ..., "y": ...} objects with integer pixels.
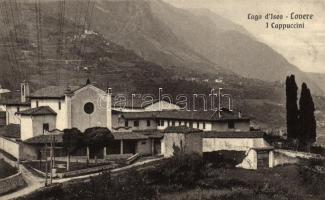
[{"x": 162, "y": 100}]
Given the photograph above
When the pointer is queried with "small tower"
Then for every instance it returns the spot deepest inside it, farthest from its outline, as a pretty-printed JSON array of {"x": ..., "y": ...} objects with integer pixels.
[{"x": 24, "y": 91}]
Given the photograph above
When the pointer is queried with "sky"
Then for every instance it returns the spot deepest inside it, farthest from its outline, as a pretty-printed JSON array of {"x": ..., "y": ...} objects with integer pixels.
[{"x": 304, "y": 48}]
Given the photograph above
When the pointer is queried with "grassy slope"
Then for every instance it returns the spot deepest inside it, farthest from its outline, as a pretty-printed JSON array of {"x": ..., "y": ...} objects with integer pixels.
[{"x": 286, "y": 182}]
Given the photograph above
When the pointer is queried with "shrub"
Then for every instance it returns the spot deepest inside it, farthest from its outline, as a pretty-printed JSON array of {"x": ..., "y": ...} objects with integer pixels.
[
  {"x": 228, "y": 159},
  {"x": 181, "y": 169}
]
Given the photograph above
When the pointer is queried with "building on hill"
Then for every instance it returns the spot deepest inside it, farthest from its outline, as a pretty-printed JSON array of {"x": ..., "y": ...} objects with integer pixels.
[{"x": 138, "y": 127}]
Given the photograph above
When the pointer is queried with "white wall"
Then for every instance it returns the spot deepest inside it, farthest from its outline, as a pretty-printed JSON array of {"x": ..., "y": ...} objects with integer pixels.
[
  {"x": 171, "y": 139},
  {"x": 26, "y": 127},
  {"x": 11, "y": 118},
  {"x": 32, "y": 126},
  {"x": 61, "y": 123},
  {"x": 10, "y": 147},
  {"x": 235, "y": 144},
  {"x": 208, "y": 125},
  {"x": 38, "y": 122},
  {"x": 79, "y": 118}
]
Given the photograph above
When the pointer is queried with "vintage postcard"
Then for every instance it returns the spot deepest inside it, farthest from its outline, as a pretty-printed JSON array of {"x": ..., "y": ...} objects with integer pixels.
[{"x": 162, "y": 99}]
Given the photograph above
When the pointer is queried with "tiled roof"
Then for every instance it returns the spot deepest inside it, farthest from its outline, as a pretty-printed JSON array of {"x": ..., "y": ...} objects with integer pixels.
[
  {"x": 53, "y": 92},
  {"x": 45, "y": 139},
  {"x": 184, "y": 115},
  {"x": 42, "y": 110},
  {"x": 129, "y": 136},
  {"x": 233, "y": 134},
  {"x": 12, "y": 99},
  {"x": 181, "y": 129},
  {"x": 139, "y": 115},
  {"x": 10, "y": 131}
]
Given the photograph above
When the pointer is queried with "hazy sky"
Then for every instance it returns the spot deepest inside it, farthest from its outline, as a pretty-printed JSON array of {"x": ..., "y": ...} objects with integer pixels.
[{"x": 303, "y": 47}]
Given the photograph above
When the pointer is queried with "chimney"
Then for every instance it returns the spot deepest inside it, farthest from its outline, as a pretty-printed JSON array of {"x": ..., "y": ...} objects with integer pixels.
[{"x": 24, "y": 91}]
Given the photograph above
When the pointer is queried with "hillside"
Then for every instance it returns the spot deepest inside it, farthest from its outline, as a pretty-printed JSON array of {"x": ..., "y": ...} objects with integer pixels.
[{"x": 73, "y": 55}]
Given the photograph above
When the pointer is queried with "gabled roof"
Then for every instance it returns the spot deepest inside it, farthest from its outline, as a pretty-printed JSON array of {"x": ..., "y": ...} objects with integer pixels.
[
  {"x": 13, "y": 99},
  {"x": 52, "y": 92},
  {"x": 10, "y": 131},
  {"x": 42, "y": 110},
  {"x": 45, "y": 139},
  {"x": 233, "y": 134},
  {"x": 129, "y": 136}
]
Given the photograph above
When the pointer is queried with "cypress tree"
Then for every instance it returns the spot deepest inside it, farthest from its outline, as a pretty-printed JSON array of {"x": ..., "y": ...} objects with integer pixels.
[
  {"x": 292, "y": 107},
  {"x": 307, "y": 133}
]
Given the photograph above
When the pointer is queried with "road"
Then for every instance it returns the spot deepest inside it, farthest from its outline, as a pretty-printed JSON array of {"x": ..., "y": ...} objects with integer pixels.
[{"x": 34, "y": 183}]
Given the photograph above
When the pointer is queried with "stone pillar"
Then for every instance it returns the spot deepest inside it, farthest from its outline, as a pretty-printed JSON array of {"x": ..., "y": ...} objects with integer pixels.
[
  {"x": 68, "y": 96},
  {"x": 104, "y": 152},
  {"x": 152, "y": 146},
  {"x": 121, "y": 146},
  {"x": 271, "y": 159}
]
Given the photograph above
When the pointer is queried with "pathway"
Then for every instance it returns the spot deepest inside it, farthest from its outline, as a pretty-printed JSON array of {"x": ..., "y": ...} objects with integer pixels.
[{"x": 34, "y": 182}]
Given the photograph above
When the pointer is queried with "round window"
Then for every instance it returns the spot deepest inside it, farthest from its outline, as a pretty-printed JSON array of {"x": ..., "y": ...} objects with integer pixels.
[{"x": 89, "y": 108}]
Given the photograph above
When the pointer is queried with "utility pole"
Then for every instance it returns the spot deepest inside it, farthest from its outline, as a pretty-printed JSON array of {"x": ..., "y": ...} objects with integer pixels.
[
  {"x": 51, "y": 162},
  {"x": 46, "y": 164}
]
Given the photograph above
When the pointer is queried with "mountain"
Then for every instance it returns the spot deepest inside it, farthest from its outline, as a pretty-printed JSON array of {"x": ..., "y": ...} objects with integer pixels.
[
  {"x": 227, "y": 44},
  {"x": 318, "y": 78},
  {"x": 134, "y": 47}
]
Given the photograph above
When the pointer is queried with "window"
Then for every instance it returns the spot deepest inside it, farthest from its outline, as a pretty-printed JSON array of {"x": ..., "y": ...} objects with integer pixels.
[
  {"x": 136, "y": 123},
  {"x": 148, "y": 122},
  {"x": 173, "y": 123},
  {"x": 126, "y": 123},
  {"x": 191, "y": 124},
  {"x": 89, "y": 108},
  {"x": 59, "y": 105},
  {"x": 197, "y": 124},
  {"x": 158, "y": 122},
  {"x": 168, "y": 123},
  {"x": 46, "y": 127},
  {"x": 231, "y": 124},
  {"x": 203, "y": 125},
  {"x": 18, "y": 108},
  {"x": 162, "y": 123},
  {"x": 36, "y": 103}
]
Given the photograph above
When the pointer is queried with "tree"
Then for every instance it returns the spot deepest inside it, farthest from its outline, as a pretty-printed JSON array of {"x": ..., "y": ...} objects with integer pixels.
[
  {"x": 97, "y": 138},
  {"x": 292, "y": 107},
  {"x": 307, "y": 134},
  {"x": 72, "y": 140}
]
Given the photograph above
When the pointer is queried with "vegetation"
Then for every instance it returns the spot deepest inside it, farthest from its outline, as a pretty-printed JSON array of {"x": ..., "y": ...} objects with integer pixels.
[
  {"x": 292, "y": 107},
  {"x": 6, "y": 170},
  {"x": 188, "y": 177},
  {"x": 95, "y": 138},
  {"x": 307, "y": 134},
  {"x": 72, "y": 140},
  {"x": 301, "y": 124}
]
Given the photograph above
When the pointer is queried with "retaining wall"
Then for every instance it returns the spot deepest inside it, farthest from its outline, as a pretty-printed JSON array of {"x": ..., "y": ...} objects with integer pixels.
[{"x": 11, "y": 183}]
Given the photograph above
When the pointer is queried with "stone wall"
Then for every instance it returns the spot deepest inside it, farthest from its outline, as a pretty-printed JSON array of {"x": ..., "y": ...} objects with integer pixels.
[{"x": 11, "y": 183}]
